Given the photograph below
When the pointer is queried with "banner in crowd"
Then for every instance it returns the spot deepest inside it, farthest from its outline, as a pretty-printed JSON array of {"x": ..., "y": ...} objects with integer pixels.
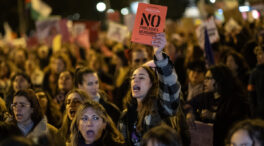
[
  {"x": 39, "y": 9},
  {"x": 229, "y": 5},
  {"x": 202, "y": 134},
  {"x": 77, "y": 29},
  {"x": 129, "y": 21},
  {"x": 234, "y": 14},
  {"x": 231, "y": 26},
  {"x": 93, "y": 27},
  {"x": 114, "y": 16},
  {"x": 150, "y": 20},
  {"x": 64, "y": 30},
  {"x": 117, "y": 32},
  {"x": 47, "y": 29},
  {"x": 83, "y": 39},
  {"x": 211, "y": 30}
]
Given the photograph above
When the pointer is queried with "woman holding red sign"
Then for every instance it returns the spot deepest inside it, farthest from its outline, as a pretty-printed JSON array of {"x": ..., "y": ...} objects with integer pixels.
[{"x": 153, "y": 96}]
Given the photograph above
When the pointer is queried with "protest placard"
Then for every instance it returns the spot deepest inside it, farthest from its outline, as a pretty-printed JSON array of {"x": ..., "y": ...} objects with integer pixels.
[
  {"x": 48, "y": 28},
  {"x": 117, "y": 32},
  {"x": 114, "y": 16},
  {"x": 83, "y": 39},
  {"x": 150, "y": 20},
  {"x": 64, "y": 30},
  {"x": 93, "y": 27},
  {"x": 78, "y": 28},
  {"x": 233, "y": 14},
  {"x": 129, "y": 21},
  {"x": 41, "y": 7},
  {"x": 202, "y": 134},
  {"x": 232, "y": 26},
  {"x": 212, "y": 31}
]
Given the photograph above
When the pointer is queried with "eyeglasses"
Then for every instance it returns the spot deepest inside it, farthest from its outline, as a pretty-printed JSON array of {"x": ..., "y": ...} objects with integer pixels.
[{"x": 21, "y": 105}]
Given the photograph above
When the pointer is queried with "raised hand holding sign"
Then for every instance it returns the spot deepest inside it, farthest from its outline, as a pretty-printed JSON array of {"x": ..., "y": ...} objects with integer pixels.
[{"x": 150, "y": 20}]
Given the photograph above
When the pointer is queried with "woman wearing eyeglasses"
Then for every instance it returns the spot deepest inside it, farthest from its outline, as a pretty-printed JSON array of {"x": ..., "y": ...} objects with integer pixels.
[
  {"x": 223, "y": 103},
  {"x": 72, "y": 101},
  {"x": 28, "y": 118}
]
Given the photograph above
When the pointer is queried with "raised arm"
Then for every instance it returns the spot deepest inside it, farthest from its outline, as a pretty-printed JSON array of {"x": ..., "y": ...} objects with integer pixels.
[{"x": 169, "y": 86}]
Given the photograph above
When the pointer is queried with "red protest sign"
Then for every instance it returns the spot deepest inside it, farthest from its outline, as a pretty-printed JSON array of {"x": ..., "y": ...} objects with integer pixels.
[{"x": 150, "y": 19}]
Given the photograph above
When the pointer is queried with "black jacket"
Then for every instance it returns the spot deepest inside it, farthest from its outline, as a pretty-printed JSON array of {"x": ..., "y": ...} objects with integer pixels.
[
  {"x": 230, "y": 109},
  {"x": 111, "y": 109}
]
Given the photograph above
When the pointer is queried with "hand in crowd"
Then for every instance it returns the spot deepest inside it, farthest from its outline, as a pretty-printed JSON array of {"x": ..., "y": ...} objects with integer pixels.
[{"x": 159, "y": 43}]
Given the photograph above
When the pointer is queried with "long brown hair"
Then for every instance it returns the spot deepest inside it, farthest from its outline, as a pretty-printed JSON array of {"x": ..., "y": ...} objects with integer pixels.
[
  {"x": 110, "y": 134},
  {"x": 149, "y": 101},
  {"x": 30, "y": 95},
  {"x": 66, "y": 122}
]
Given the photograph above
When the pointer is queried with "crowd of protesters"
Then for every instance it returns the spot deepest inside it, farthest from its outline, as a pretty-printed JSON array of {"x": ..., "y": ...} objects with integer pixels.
[{"x": 138, "y": 95}]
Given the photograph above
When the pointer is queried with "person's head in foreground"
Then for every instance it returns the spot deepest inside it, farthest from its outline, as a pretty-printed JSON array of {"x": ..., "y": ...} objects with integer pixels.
[
  {"x": 161, "y": 136},
  {"x": 26, "y": 108},
  {"x": 92, "y": 125},
  {"x": 247, "y": 133},
  {"x": 220, "y": 79},
  {"x": 88, "y": 81},
  {"x": 74, "y": 99}
]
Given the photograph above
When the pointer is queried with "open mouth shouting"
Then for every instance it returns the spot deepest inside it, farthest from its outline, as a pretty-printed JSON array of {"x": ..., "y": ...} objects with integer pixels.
[
  {"x": 72, "y": 113},
  {"x": 136, "y": 88},
  {"x": 136, "y": 91},
  {"x": 90, "y": 133}
]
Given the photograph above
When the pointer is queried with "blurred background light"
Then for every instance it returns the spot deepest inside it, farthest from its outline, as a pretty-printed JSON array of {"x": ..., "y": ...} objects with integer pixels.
[
  {"x": 100, "y": 6},
  {"x": 110, "y": 11},
  {"x": 124, "y": 11},
  {"x": 255, "y": 14},
  {"x": 244, "y": 8},
  {"x": 192, "y": 12},
  {"x": 220, "y": 11},
  {"x": 133, "y": 7},
  {"x": 212, "y": 1}
]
